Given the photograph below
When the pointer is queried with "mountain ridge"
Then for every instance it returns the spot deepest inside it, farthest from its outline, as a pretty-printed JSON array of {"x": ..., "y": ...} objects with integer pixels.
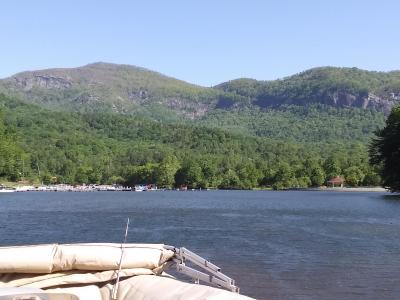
[
  {"x": 120, "y": 88},
  {"x": 104, "y": 63},
  {"x": 351, "y": 87},
  {"x": 125, "y": 89}
]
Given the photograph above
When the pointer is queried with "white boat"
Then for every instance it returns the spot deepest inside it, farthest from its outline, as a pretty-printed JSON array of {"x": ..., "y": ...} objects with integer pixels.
[
  {"x": 140, "y": 188},
  {"x": 108, "y": 271},
  {"x": 3, "y": 189}
]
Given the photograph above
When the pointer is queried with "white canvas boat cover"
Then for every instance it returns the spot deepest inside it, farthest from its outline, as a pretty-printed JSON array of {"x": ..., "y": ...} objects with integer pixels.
[
  {"x": 45, "y": 259},
  {"x": 89, "y": 272}
]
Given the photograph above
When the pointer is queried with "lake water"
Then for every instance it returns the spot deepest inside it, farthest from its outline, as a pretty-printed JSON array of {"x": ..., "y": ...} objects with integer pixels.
[{"x": 277, "y": 245}]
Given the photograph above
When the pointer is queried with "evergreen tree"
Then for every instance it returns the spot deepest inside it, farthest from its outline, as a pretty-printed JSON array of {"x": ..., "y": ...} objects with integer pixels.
[{"x": 385, "y": 151}]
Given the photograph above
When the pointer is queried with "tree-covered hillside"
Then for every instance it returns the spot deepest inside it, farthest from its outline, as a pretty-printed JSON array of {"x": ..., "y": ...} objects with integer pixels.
[
  {"x": 104, "y": 123},
  {"x": 104, "y": 87},
  {"x": 128, "y": 89},
  {"x": 11, "y": 154},
  {"x": 311, "y": 123},
  {"x": 318, "y": 105},
  {"x": 73, "y": 147},
  {"x": 327, "y": 85}
]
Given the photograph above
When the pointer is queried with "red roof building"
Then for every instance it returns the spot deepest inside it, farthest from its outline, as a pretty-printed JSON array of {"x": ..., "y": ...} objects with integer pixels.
[{"x": 337, "y": 181}]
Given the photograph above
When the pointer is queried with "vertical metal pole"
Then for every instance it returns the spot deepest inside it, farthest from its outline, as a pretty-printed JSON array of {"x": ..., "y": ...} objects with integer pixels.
[{"x": 115, "y": 288}]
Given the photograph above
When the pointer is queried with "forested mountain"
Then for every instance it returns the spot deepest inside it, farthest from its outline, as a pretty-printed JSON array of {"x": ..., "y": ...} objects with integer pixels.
[
  {"x": 341, "y": 87},
  {"x": 105, "y": 123},
  {"x": 124, "y": 89},
  {"x": 110, "y": 88},
  {"x": 128, "y": 89},
  {"x": 321, "y": 104},
  {"x": 74, "y": 147}
]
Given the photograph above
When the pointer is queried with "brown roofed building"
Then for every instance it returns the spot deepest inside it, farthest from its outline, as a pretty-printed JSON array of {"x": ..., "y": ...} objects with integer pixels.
[{"x": 337, "y": 181}]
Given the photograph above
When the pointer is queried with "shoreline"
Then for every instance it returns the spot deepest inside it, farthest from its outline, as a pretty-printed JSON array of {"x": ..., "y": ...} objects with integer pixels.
[
  {"x": 17, "y": 187},
  {"x": 344, "y": 189}
]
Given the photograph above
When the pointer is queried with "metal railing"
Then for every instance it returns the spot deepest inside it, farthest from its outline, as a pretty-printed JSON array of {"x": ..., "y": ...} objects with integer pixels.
[{"x": 215, "y": 276}]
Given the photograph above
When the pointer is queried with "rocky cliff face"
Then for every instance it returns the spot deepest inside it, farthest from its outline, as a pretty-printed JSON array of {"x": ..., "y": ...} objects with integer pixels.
[
  {"x": 338, "y": 99},
  {"x": 370, "y": 100},
  {"x": 30, "y": 80}
]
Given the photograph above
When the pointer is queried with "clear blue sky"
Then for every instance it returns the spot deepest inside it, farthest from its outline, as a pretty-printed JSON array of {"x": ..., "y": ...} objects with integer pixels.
[{"x": 203, "y": 42}]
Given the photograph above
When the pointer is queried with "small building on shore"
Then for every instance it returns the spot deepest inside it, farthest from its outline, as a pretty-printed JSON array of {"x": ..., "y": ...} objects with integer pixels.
[{"x": 337, "y": 181}]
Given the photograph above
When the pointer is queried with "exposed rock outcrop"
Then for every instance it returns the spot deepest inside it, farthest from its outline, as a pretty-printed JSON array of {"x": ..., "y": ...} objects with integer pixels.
[
  {"x": 42, "y": 81},
  {"x": 344, "y": 99}
]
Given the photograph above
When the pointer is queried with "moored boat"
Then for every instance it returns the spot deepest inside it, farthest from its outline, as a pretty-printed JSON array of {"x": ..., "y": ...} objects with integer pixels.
[
  {"x": 3, "y": 189},
  {"x": 140, "y": 188}
]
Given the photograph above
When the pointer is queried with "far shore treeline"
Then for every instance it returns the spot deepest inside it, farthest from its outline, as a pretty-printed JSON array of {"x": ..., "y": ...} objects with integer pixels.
[{"x": 42, "y": 145}]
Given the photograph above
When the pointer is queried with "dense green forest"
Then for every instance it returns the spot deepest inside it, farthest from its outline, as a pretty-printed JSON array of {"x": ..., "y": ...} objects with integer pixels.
[
  {"x": 314, "y": 123},
  {"x": 11, "y": 154},
  {"x": 73, "y": 147}
]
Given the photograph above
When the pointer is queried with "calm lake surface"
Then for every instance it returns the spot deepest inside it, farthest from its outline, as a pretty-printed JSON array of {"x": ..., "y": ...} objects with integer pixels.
[{"x": 277, "y": 245}]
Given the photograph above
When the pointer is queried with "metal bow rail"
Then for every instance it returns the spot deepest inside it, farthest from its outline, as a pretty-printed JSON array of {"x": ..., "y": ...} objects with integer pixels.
[{"x": 216, "y": 277}]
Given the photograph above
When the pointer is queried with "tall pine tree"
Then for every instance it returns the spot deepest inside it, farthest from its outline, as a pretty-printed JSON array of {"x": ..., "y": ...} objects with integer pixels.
[{"x": 385, "y": 151}]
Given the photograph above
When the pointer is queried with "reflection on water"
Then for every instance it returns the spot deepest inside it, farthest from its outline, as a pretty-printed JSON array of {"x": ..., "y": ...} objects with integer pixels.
[
  {"x": 392, "y": 197},
  {"x": 277, "y": 245}
]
